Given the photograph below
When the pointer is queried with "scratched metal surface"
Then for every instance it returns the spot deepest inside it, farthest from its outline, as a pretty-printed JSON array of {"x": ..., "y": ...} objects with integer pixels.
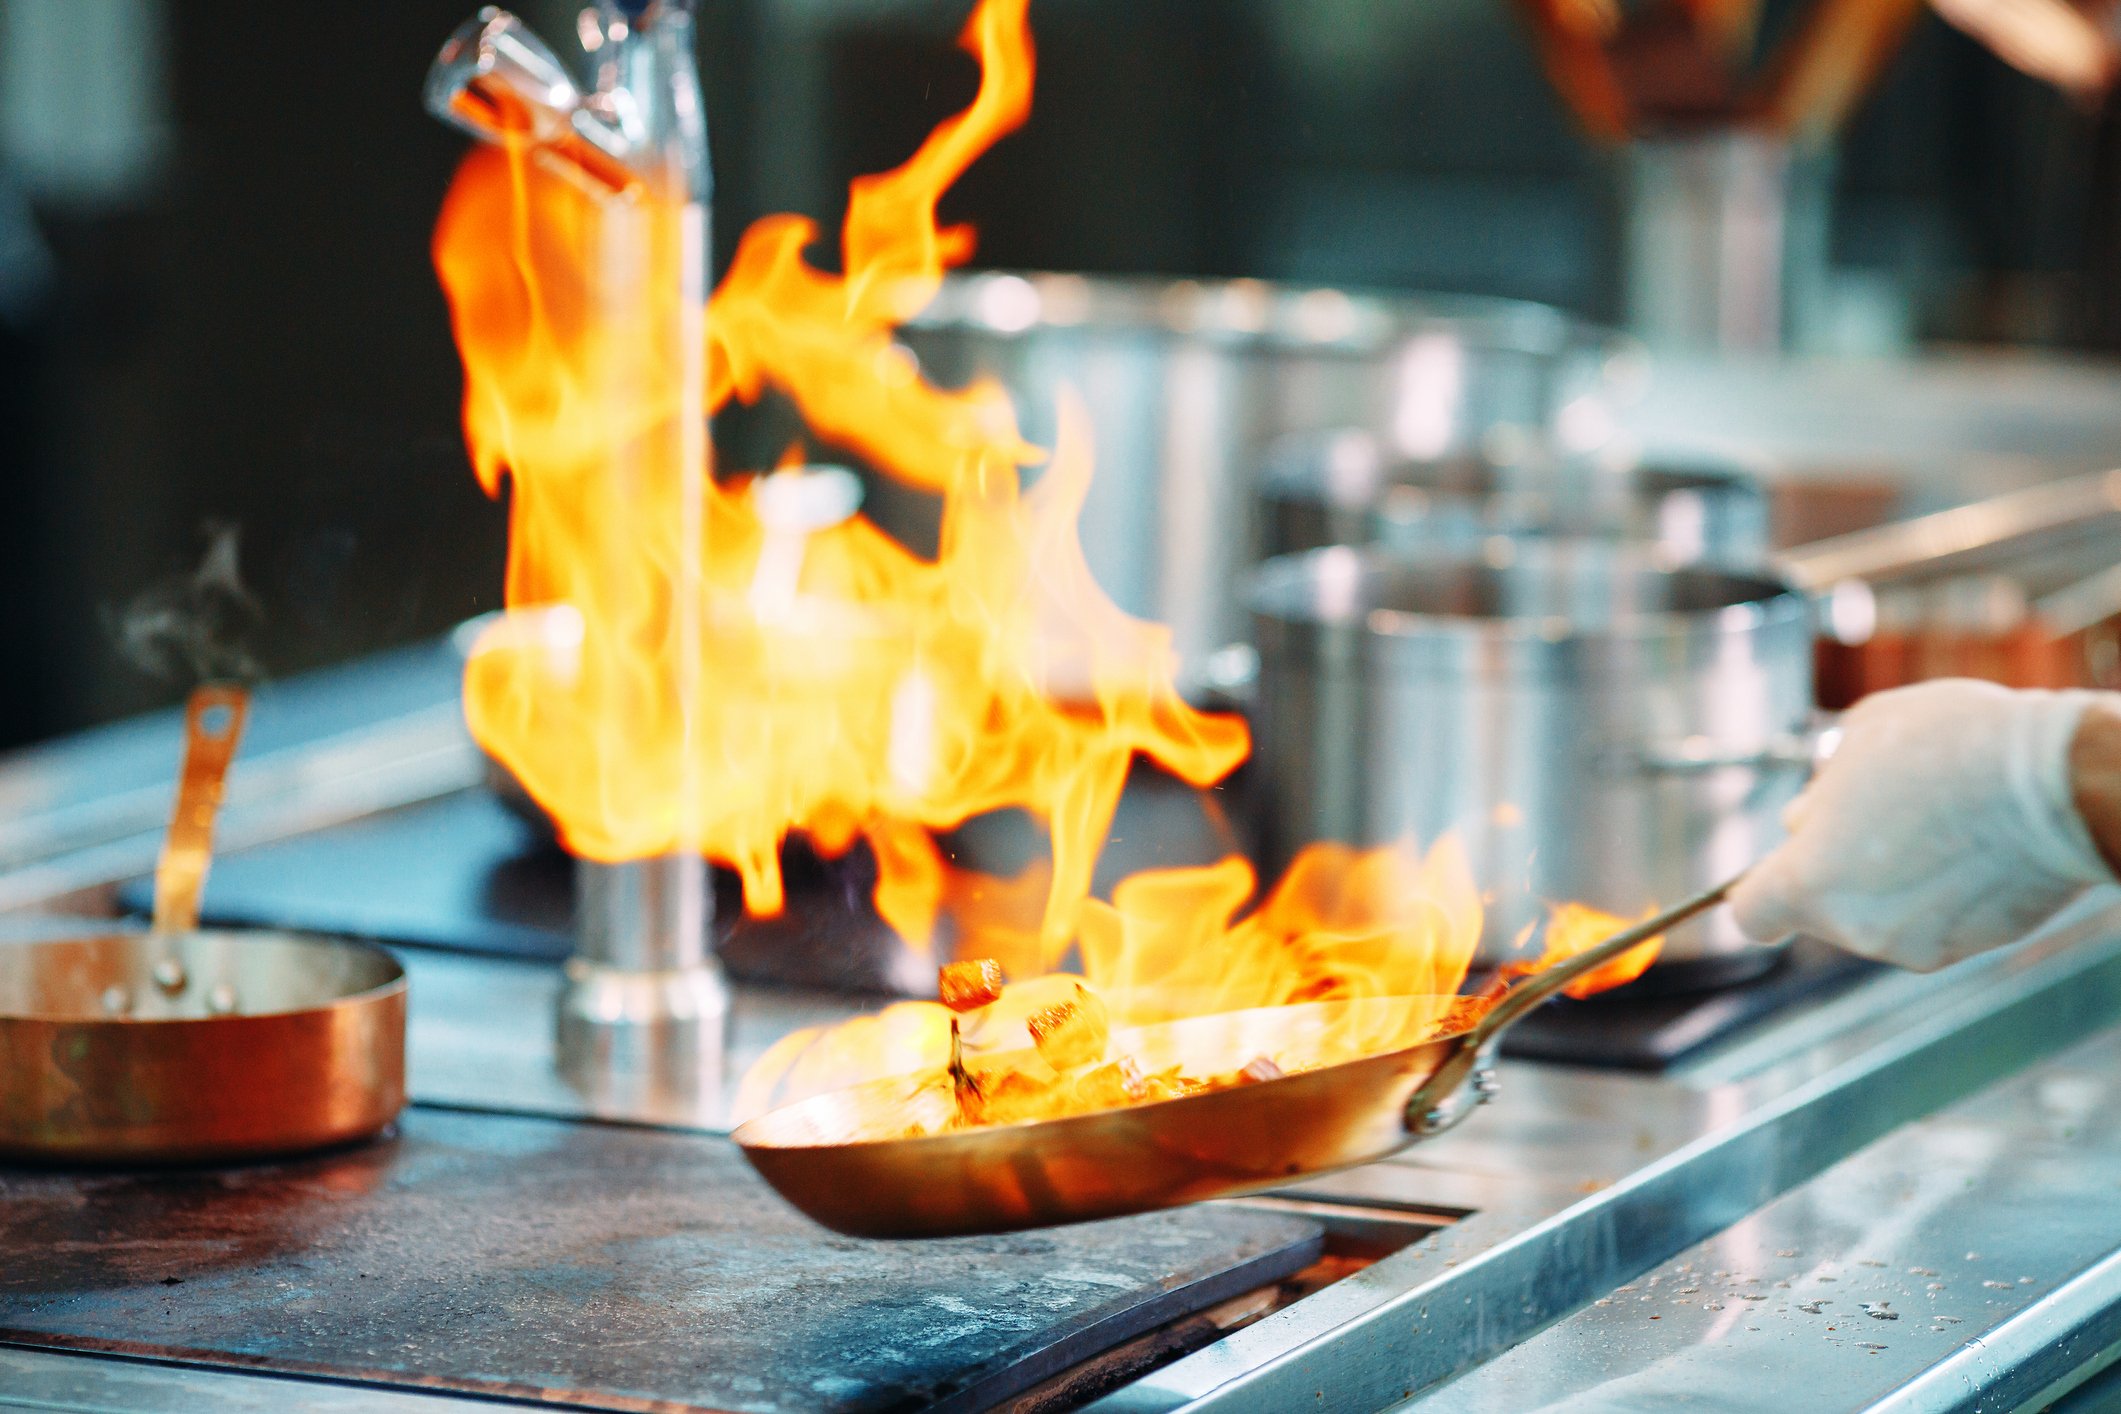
[{"x": 601, "y": 1266}]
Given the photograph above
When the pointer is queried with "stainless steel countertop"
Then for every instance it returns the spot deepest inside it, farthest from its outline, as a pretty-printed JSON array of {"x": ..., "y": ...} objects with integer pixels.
[
  {"x": 1583, "y": 1182},
  {"x": 1807, "y": 1137},
  {"x": 1976, "y": 1249},
  {"x": 1578, "y": 1182}
]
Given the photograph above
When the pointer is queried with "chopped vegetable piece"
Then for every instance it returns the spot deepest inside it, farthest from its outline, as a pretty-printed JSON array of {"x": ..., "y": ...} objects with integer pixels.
[
  {"x": 1259, "y": 1068},
  {"x": 968, "y": 986},
  {"x": 1072, "y": 1033},
  {"x": 1112, "y": 1085}
]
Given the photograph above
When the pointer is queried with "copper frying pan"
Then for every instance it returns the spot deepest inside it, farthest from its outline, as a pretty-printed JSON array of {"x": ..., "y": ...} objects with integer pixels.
[{"x": 1003, "y": 1178}]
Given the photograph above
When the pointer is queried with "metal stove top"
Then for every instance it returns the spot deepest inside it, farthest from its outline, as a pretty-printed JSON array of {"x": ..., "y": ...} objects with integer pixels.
[{"x": 598, "y": 1266}]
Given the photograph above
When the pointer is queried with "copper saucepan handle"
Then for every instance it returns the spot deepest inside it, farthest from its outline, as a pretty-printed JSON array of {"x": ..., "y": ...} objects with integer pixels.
[
  {"x": 1438, "y": 1104},
  {"x": 213, "y": 724}
]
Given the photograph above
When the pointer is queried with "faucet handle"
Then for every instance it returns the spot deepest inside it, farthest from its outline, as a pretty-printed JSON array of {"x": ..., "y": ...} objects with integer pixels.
[{"x": 496, "y": 80}]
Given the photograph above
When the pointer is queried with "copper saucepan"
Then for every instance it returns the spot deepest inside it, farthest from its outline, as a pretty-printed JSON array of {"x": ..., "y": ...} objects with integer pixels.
[
  {"x": 818, "y": 1154},
  {"x": 182, "y": 1045},
  {"x": 202, "y": 1046}
]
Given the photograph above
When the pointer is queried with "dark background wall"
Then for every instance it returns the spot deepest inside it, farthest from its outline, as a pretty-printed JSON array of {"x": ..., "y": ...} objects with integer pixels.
[{"x": 238, "y": 324}]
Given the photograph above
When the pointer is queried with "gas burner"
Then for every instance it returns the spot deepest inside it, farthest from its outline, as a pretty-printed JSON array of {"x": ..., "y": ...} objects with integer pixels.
[
  {"x": 466, "y": 873},
  {"x": 1648, "y": 1029}
]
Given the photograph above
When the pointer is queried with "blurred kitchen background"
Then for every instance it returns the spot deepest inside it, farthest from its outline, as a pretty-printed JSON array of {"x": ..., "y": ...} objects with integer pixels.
[{"x": 217, "y": 310}]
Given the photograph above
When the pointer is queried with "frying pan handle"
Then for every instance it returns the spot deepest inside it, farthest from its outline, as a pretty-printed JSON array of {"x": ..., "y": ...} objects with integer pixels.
[
  {"x": 1477, "y": 1071},
  {"x": 1542, "y": 985},
  {"x": 1436, "y": 1105}
]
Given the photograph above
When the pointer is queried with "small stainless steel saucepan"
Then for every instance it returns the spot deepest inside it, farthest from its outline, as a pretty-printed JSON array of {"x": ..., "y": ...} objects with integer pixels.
[{"x": 842, "y": 1159}]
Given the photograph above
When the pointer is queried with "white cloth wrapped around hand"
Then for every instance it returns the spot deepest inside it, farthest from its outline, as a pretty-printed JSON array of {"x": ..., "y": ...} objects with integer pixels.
[{"x": 1944, "y": 825}]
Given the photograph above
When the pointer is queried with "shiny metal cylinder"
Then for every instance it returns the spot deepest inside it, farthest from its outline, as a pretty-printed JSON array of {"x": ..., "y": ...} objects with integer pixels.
[
  {"x": 643, "y": 915},
  {"x": 1350, "y": 488},
  {"x": 1723, "y": 240},
  {"x": 1591, "y": 729},
  {"x": 643, "y": 1014},
  {"x": 1190, "y": 382}
]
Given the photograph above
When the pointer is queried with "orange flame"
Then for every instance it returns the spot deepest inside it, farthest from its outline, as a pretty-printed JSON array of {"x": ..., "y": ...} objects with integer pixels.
[
  {"x": 1577, "y": 927},
  {"x": 1387, "y": 931},
  {"x": 846, "y": 687},
  {"x": 1385, "y": 925},
  {"x": 826, "y": 340},
  {"x": 874, "y": 694}
]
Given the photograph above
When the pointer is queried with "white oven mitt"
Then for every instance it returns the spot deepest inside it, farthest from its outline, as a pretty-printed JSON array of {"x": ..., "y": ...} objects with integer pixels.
[{"x": 1943, "y": 826}]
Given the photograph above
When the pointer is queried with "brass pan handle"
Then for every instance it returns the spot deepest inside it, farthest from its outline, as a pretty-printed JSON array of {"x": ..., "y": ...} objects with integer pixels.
[
  {"x": 1437, "y": 1104},
  {"x": 213, "y": 725}
]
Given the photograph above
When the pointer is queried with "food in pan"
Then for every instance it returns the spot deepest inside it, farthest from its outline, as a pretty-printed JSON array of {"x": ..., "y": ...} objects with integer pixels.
[
  {"x": 967, "y": 986},
  {"x": 1071, "y": 1066},
  {"x": 1182, "y": 989}
]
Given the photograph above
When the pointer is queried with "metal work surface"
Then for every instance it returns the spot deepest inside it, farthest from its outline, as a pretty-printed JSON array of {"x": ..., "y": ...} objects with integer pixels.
[
  {"x": 1938, "y": 1261},
  {"x": 53, "y": 1380},
  {"x": 595, "y": 1265},
  {"x": 1583, "y": 1182},
  {"x": 1576, "y": 1182}
]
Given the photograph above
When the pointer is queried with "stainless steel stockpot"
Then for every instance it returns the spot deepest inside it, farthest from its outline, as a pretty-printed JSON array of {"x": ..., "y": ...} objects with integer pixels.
[
  {"x": 1188, "y": 382},
  {"x": 1351, "y": 488},
  {"x": 1592, "y": 728}
]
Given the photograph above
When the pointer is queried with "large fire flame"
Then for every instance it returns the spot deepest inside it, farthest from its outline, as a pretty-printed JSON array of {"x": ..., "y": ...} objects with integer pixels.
[
  {"x": 887, "y": 695},
  {"x": 827, "y": 680},
  {"x": 1388, "y": 928}
]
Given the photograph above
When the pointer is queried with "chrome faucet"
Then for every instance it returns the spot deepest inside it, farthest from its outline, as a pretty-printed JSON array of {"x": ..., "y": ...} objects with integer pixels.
[{"x": 641, "y": 1021}]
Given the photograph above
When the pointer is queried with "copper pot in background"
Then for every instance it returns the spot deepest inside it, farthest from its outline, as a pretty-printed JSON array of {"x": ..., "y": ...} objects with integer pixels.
[
  {"x": 1978, "y": 626},
  {"x": 2023, "y": 589}
]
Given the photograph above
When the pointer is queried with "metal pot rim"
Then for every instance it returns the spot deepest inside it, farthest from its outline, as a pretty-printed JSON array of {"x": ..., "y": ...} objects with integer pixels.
[
  {"x": 1300, "y": 470},
  {"x": 392, "y": 976},
  {"x": 1273, "y": 584},
  {"x": 1009, "y": 304}
]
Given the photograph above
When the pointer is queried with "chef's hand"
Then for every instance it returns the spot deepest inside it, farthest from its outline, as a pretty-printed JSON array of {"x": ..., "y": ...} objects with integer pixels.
[{"x": 1955, "y": 817}]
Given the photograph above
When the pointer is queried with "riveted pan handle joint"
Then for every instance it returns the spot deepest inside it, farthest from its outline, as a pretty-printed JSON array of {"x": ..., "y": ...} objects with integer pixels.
[
  {"x": 1451, "y": 1109},
  {"x": 1456, "y": 1088}
]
